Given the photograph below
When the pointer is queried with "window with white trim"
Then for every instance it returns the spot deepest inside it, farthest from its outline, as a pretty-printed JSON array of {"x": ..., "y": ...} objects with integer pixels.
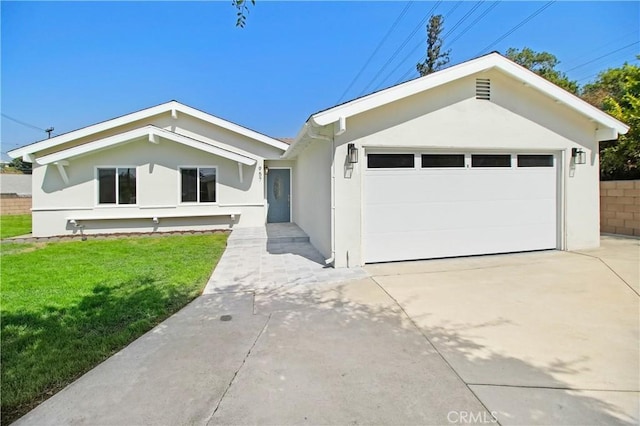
[
  {"x": 116, "y": 185},
  {"x": 198, "y": 184}
]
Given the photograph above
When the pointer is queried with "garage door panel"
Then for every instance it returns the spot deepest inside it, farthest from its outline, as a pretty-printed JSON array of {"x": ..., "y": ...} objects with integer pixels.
[
  {"x": 424, "y": 213},
  {"x": 387, "y": 218},
  {"x": 456, "y": 242},
  {"x": 474, "y": 186}
]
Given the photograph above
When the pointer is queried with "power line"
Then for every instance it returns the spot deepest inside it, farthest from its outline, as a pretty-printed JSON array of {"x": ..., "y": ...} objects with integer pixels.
[
  {"x": 397, "y": 51},
  {"x": 594, "y": 49},
  {"x": 422, "y": 42},
  {"x": 603, "y": 56},
  {"x": 478, "y": 19},
  {"x": 366, "y": 64},
  {"x": 461, "y": 20},
  {"x": 515, "y": 28},
  {"x": 598, "y": 73},
  {"x": 464, "y": 31},
  {"x": 23, "y": 123}
]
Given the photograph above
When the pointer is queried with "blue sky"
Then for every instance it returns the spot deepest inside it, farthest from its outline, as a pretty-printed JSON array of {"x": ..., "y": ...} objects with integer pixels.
[{"x": 71, "y": 64}]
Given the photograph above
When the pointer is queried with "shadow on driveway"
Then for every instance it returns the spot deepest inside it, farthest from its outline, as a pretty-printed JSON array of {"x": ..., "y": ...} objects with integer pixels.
[{"x": 331, "y": 354}]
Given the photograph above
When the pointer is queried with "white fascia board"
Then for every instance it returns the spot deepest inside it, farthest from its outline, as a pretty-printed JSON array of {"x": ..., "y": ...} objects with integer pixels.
[
  {"x": 169, "y": 107},
  {"x": 293, "y": 148},
  {"x": 143, "y": 132},
  {"x": 395, "y": 93},
  {"x": 94, "y": 146},
  {"x": 203, "y": 146},
  {"x": 231, "y": 126},
  {"x": 572, "y": 101},
  {"x": 493, "y": 60},
  {"x": 89, "y": 130}
]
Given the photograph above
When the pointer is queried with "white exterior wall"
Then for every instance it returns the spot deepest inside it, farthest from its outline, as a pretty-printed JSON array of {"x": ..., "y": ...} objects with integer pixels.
[
  {"x": 158, "y": 180},
  {"x": 450, "y": 118},
  {"x": 312, "y": 195}
]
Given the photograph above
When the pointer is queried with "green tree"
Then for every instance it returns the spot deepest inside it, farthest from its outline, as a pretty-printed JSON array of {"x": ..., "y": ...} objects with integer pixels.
[
  {"x": 242, "y": 10},
  {"x": 436, "y": 57},
  {"x": 21, "y": 166},
  {"x": 617, "y": 92},
  {"x": 544, "y": 64}
]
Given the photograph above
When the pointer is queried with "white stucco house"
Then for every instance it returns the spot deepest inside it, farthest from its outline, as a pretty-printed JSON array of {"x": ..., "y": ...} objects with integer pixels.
[{"x": 483, "y": 157}]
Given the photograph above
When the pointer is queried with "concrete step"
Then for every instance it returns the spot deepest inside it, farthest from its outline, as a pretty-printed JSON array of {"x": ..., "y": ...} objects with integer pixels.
[
  {"x": 261, "y": 242},
  {"x": 296, "y": 239}
]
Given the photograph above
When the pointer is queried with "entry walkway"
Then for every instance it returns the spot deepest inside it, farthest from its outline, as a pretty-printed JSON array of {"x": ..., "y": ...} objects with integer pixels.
[{"x": 272, "y": 258}]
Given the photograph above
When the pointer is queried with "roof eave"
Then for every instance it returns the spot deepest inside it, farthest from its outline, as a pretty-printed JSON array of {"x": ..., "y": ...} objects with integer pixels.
[
  {"x": 171, "y": 106},
  {"x": 482, "y": 64},
  {"x": 149, "y": 131}
]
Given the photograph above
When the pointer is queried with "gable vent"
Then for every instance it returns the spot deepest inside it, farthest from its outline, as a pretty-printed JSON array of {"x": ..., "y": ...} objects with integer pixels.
[{"x": 483, "y": 89}]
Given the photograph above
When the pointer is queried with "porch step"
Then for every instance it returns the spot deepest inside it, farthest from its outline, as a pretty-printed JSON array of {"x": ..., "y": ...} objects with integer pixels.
[
  {"x": 279, "y": 240},
  {"x": 272, "y": 233}
]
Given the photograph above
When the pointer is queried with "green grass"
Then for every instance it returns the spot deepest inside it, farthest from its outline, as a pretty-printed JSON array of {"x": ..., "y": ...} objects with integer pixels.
[
  {"x": 14, "y": 225},
  {"x": 67, "y": 306}
]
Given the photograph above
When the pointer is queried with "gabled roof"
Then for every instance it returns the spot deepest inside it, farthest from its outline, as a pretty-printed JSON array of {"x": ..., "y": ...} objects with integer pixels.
[
  {"x": 484, "y": 63},
  {"x": 172, "y": 106},
  {"x": 150, "y": 132}
]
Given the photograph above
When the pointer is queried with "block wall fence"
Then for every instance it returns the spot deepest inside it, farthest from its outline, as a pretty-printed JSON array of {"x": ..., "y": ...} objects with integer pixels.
[
  {"x": 15, "y": 204},
  {"x": 620, "y": 207}
]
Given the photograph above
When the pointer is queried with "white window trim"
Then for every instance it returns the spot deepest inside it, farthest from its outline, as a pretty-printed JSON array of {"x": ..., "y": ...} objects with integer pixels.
[
  {"x": 117, "y": 203},
  {"x": 198, "y": 202}
]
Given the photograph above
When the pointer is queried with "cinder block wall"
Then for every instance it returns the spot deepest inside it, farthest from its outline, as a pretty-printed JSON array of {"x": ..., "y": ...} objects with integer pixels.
[
  {"x": 620, "y": 207},
  {"x": 14, "y": 204}
]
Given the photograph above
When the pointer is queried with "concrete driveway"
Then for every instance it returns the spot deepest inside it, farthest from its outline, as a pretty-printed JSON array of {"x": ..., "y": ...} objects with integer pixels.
[
  {"x": 540, "y": 338},
  {"x": 535, "y": 338}
]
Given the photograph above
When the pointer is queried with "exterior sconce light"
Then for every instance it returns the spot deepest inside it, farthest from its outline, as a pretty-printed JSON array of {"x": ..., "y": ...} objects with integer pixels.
[
  {"x": 578, "y": 155},
  {"x": 352, "y": 153}
]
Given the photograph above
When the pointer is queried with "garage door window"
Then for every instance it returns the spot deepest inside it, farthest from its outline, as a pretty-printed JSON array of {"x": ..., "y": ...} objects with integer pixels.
[
  {"x": 442, "y": 160},
  {"x": 491, "y": 160},
  {"x": 535, "y": 160},
  {"x": 390, "y": 161}
]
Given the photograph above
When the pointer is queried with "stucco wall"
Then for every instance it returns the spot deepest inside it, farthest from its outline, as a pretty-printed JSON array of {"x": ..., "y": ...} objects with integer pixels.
[
  {"x": 54, "y": 202},
  {"x": 620, "y": 207},
  {"x": 517, "y": 118},
  {"x": 312, "y": 195},
  {"x": 158, "y": 191},
  {"x": 15, "y": 204}
]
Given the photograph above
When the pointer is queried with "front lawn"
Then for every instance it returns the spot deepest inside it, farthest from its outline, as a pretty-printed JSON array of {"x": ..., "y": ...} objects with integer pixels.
[
  {"x": 67, "y": 306},
  {"x": 14, "y": 225}
]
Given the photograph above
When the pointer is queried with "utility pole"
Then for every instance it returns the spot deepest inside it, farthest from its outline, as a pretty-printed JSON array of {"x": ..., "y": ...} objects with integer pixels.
[{"x": 49, "y": 130}]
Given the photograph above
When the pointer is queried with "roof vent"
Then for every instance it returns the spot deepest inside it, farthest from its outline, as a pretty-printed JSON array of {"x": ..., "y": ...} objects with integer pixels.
[{"x": 483, "y": 89}]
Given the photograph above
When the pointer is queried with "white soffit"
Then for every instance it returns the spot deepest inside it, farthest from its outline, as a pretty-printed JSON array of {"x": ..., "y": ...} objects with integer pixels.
[
  {"x": 150, "y": 132},
  {"x": 173, "y": 107}
]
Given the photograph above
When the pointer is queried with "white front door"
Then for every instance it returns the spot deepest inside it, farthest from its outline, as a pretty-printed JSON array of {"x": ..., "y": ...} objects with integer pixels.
[{"x": 432, "y": 205}]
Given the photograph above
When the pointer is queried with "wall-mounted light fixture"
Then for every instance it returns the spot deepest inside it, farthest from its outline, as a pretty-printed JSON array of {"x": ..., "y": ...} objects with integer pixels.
[
  {"x": 579, "y": 156},
  {"x": 352, "y": 153}
]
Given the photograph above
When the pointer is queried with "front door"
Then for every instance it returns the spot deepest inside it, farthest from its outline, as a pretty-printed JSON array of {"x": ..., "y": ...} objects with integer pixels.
[{"x": 279, "y": 195}]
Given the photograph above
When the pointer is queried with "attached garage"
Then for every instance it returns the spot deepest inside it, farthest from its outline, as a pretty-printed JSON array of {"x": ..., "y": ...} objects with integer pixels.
[
  {"x": 483, "y": 157},
  {"x": 429, "y": 205}
]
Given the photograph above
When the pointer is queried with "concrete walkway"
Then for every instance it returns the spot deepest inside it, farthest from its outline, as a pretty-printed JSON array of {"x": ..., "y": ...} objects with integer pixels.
[
  {"x": 533, "y": 338},
  {"x": 274, "y": 258}
]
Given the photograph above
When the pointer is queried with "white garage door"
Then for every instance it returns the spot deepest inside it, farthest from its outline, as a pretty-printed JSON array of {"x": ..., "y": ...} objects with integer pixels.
[{"x": 422, "y": 206}]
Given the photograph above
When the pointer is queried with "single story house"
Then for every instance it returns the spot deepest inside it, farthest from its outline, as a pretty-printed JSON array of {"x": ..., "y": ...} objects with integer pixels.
[{"x": 482, "y": 157}]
